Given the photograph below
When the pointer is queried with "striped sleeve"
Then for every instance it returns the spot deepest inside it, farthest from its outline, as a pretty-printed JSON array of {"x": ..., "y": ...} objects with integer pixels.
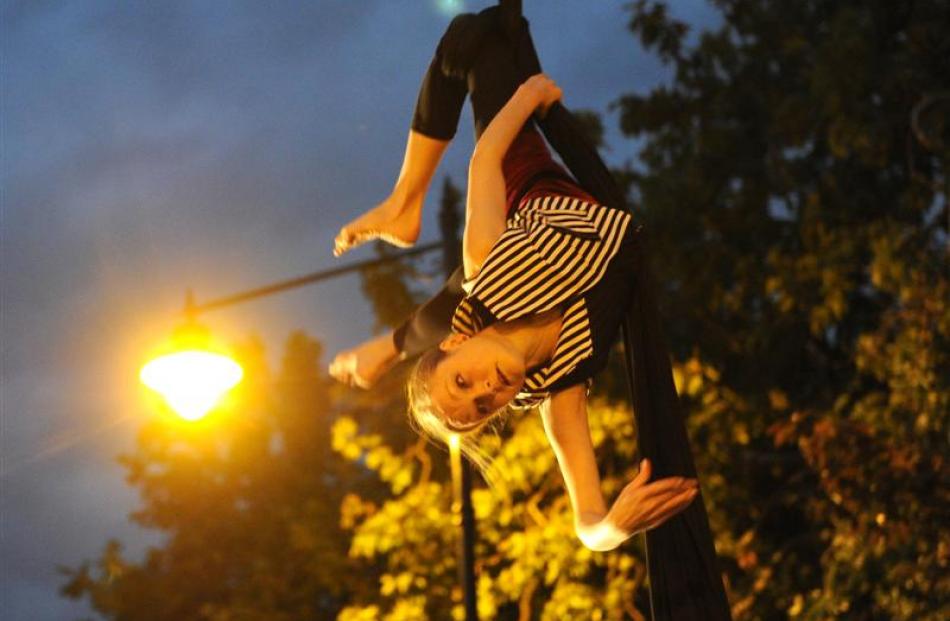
[
  {"x": 554, "y": 248},
  {"x": 574, "y": 345}
]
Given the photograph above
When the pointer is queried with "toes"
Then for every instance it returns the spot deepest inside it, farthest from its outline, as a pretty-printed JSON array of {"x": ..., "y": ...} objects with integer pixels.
[
  {"x": 343, "y": 243},
  {"x": 339, "y": 370},
  {"x": 347, "y": 239}
]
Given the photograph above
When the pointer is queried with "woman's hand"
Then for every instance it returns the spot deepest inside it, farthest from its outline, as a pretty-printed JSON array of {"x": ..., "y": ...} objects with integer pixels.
[
  {"x": 365, "y": 363},
  {"x": 543, "y": 90},
  {"x": 642, "y": 505}
]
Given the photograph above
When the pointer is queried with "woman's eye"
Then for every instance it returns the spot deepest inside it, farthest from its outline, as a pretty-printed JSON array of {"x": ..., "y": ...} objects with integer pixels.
[{"x": 459, "y": 381}]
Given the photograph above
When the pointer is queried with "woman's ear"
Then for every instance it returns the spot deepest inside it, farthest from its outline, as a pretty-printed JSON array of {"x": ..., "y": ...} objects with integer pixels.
[{"x": 452, "y": 341}]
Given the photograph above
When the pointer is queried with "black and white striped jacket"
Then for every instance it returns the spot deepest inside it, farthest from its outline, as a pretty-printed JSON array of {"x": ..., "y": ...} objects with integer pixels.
[{"x": 554, "y": 248}]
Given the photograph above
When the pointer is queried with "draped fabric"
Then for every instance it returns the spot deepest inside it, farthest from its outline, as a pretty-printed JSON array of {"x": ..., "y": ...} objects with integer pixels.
[{"x": 685, "y": 581}]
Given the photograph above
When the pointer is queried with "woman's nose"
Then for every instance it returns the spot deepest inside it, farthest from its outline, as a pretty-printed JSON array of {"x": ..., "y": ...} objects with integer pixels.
[{"x": 491, "y": 390}]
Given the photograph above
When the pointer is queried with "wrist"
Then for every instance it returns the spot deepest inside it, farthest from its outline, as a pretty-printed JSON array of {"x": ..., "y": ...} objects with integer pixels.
[{"x": 600, "y": 535}]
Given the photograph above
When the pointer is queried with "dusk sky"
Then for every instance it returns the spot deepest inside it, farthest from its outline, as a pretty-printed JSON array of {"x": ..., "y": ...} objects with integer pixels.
[{"x": 148, "y": 147}]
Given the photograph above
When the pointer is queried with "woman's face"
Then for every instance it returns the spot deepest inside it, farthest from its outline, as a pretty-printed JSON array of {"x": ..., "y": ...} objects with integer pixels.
[{"x": 477, "y": 377}]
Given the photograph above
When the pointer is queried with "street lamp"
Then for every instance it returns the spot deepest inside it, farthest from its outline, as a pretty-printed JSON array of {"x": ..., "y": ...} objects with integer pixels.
[
  {"x": 193, "y": 360},
  {"x": 191, "y": 373},
  {"x": 192, "y": 381}
]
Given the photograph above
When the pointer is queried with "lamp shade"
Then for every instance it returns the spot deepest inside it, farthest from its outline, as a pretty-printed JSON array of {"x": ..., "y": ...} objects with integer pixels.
[{"x": 190, "y": 374}]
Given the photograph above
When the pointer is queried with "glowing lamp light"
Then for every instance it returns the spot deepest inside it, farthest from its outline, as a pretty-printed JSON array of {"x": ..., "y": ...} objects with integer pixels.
[
  {"x": 192, "y": 375},
  {"x": 192, "y": 381}
]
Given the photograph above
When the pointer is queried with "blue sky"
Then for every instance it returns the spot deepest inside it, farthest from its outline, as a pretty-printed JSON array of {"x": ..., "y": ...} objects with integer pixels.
[{"x": 152, "y": 146}]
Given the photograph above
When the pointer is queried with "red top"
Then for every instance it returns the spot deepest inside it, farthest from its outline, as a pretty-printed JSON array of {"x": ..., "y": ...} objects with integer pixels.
[{"x": 526, "y": 160}]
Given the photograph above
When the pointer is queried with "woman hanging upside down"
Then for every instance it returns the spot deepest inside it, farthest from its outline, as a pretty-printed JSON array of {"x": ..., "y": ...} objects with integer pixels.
[{"x": 547, "y": 275}]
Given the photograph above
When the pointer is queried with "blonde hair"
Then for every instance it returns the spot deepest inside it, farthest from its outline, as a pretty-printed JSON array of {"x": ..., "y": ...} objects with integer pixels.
[{"x": 427, "y": 419}]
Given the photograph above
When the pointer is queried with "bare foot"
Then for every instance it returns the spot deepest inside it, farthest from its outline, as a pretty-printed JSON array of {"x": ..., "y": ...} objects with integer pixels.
[
  {"x": 395, "y": 221},
  {"x": 367, "y": 362}
]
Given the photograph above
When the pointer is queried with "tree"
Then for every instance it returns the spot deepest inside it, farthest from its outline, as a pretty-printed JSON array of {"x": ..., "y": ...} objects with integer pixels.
[
  {"x": 802, "y": 225},
  {"x": 248, "y": 499},
  {"x": 793, "y": 181}
]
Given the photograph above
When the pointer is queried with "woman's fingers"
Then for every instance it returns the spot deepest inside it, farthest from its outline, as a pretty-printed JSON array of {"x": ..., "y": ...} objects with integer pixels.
[
  {"x": 660, "y": 510},
  {"x": 644, "y": 475},
  {"x": 551, "y": 96},
  {"x": 547, "y": 92},
  {"x": 642, "y": 515},
  {"x": 644, "y": 504},
  {"x": 670, "y": 508},
  {"x": 665, "y": 485}
]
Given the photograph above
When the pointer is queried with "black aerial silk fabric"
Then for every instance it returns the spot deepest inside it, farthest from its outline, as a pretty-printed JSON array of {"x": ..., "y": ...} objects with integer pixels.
[{"x": 685, "y": 581}]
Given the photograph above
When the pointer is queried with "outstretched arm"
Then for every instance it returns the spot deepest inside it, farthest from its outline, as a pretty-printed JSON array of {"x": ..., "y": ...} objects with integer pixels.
[
  {"x": 485, "y": 203},
  {"x": 640, "y": 506},
  {"x": 426, "y": 326}
]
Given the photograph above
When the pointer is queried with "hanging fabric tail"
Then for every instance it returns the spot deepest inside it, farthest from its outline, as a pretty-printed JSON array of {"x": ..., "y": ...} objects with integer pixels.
[{"x": 685, "y": 582}]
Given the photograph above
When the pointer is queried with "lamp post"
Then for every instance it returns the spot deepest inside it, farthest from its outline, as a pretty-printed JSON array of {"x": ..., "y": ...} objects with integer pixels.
[
  {"x": 463, "y": 512},
  {"x": 157, "y": 376}
]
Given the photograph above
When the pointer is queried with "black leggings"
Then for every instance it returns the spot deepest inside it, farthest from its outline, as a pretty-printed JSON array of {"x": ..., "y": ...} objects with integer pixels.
[{"x": 476, "y": 57}]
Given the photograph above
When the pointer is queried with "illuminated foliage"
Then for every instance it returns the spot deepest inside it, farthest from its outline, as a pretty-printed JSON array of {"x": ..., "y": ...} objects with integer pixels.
[{"x": 527, "y": 556}]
